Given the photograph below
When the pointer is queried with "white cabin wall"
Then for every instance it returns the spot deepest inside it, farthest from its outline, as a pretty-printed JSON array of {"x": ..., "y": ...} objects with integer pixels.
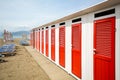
[
  {"x": 87, "y": 46},
  {"x": 68, "y": 46},
  {"x": 117, "y": 44},
  {"x": 57, "y": 44},
  {"x": 49, "y": 32},
  {"x": 37, "y": 40}
]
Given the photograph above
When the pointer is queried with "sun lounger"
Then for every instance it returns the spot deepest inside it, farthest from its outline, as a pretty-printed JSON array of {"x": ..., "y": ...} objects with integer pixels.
[{"x": 8, "y": 49}]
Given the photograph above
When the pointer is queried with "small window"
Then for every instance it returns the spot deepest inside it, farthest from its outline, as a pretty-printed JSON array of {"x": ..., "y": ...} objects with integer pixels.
[
  {"x": 42, "y": 28},
  {"x": 76, "y": 20},
  {"x": 104, "y": 13},
  {"x": 46, "y": 27},
  {"x": 53, "y": 26},
  {"x": 63, "y": 23}
]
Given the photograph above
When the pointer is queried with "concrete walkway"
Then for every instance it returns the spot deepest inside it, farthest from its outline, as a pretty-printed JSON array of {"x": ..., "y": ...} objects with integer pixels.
[{"x": 53, "y": 71}]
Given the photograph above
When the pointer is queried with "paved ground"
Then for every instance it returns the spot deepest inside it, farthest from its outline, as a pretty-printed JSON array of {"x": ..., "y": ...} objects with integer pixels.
[{"x": 52, "y": 70}]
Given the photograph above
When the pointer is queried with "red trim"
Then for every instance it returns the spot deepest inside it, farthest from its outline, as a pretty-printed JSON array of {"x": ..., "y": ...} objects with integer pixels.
[{"x": 39, "y": 41}]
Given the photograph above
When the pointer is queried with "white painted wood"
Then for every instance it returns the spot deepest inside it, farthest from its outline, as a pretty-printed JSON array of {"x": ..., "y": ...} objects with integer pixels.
[
  {"x": 117, "y": 44},
  {"x": 49, "y": 31},
  {"x": 87, "y": 47},
  {"x": 40, "y": 41},
  {"x": 37, "y": 40},
  {"x": 106, "y": 16},
  {"x": 57, "y": 44},
  {"x": 68, "y": 46}
]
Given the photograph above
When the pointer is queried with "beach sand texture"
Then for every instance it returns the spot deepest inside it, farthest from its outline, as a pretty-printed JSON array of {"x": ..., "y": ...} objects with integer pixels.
[{"x": 22, "y": 66}]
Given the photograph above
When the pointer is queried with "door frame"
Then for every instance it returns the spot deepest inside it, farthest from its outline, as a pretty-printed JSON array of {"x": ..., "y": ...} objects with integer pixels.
[{"x": 113, "y": 53}]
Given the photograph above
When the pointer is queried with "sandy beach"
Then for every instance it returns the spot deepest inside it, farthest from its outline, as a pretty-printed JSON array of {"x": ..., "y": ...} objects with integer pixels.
[{"x": 22, "y": 66}]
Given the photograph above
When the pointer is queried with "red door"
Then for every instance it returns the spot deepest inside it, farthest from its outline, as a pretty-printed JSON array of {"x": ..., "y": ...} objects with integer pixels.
[
  {"x": 39, "y": 40},
  {"x": 47, "y": 43},
  {"x": 42, "y": 42},
  {"x": 35, "y": 39},
  {"x": 53, "y": 44},
  {"x": 62, "y": 46},
  {"x": 76, "y": 49},
  {"x": 104, "y": 49}
]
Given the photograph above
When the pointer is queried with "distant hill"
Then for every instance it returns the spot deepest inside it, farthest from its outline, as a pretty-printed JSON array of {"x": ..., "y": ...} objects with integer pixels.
[
  {"x": 17, "y": 34},
  {"x": 20, "y": 33}
]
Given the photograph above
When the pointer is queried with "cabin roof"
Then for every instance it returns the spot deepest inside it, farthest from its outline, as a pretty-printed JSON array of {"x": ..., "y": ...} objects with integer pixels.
[{"x": 97, "y": 7}]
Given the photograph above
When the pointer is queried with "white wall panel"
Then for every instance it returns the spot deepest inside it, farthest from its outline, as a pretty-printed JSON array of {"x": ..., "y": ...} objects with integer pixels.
[
  {"x": 117, "y": 49},
  {"x": 68, "y": 46},
  {"x": 87, "y": 47},
  {"x": 57, "y": 44},
  {"x": 49, "y": 32},
  {"x": 37, "y": 41}
]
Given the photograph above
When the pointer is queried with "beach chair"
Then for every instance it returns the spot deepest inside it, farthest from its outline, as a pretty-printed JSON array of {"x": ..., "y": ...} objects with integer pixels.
[{"x": 8, "y": 50}]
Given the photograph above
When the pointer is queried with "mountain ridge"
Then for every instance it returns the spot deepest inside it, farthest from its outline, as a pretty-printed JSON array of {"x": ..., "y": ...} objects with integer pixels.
[{"x": 17, "y": 33}]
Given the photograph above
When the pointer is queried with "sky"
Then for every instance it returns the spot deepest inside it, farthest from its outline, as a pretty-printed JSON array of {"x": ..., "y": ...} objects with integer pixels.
[{"x": 17, "y": 15}]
